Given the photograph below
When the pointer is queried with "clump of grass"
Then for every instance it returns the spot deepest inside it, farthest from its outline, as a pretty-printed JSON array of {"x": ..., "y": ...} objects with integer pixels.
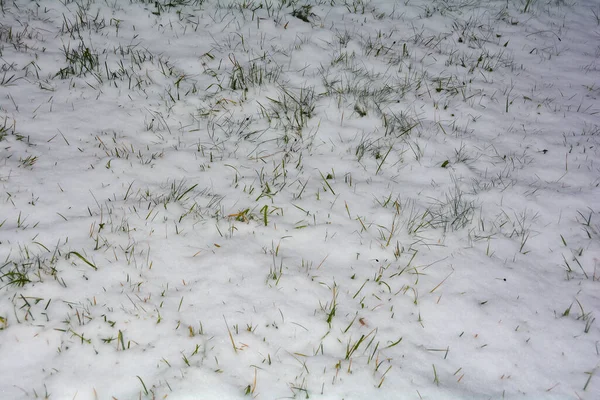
[
  {"x": 256, "y": 73},
  {"x": 292, "y": 109},
  {"x": 303, "y": 13},
  {"x": 177, "y": 191},
  {"x": 452, "y": 213},
  {"x": 399, "y": 124},
  {"x": 81, "y": 60},
  {"x": 15, "y": 274},
  {"x": 7, "y": 128},
  {"x": 28, "y": 162},
  {"x": 29, "y": 266},
  {"x": 355, "y": 6}
]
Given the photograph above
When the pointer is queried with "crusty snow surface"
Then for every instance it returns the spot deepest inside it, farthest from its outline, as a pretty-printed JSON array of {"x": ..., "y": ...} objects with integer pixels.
[{"x": 331, "y": 199}]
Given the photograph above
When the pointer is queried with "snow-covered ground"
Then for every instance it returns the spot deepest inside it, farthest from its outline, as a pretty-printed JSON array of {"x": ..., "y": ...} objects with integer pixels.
[{"x": 330, "y": 199}]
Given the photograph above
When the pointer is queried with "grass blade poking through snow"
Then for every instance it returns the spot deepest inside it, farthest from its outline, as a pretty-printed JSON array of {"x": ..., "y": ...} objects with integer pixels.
[{"x": 85, "y": 260}]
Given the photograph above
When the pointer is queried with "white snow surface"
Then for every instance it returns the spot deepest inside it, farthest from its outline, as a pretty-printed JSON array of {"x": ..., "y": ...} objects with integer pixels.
[{"x": 325, "y": 199}]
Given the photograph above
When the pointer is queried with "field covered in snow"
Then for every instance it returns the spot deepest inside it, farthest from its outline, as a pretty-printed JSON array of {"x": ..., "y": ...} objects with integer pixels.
[{"x": 324, "y": 199}]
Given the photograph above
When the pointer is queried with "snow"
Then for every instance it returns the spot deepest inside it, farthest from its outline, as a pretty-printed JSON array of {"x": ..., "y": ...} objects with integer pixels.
[{"x": 217, "y": 199}]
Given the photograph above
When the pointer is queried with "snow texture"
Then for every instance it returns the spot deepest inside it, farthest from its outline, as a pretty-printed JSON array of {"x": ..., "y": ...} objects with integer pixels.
[{"x": 325, "y": 199}]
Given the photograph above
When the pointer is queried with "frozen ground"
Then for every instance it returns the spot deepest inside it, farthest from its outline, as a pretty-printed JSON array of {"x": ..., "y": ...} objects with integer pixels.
[{"x": 341, "y": 199}]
